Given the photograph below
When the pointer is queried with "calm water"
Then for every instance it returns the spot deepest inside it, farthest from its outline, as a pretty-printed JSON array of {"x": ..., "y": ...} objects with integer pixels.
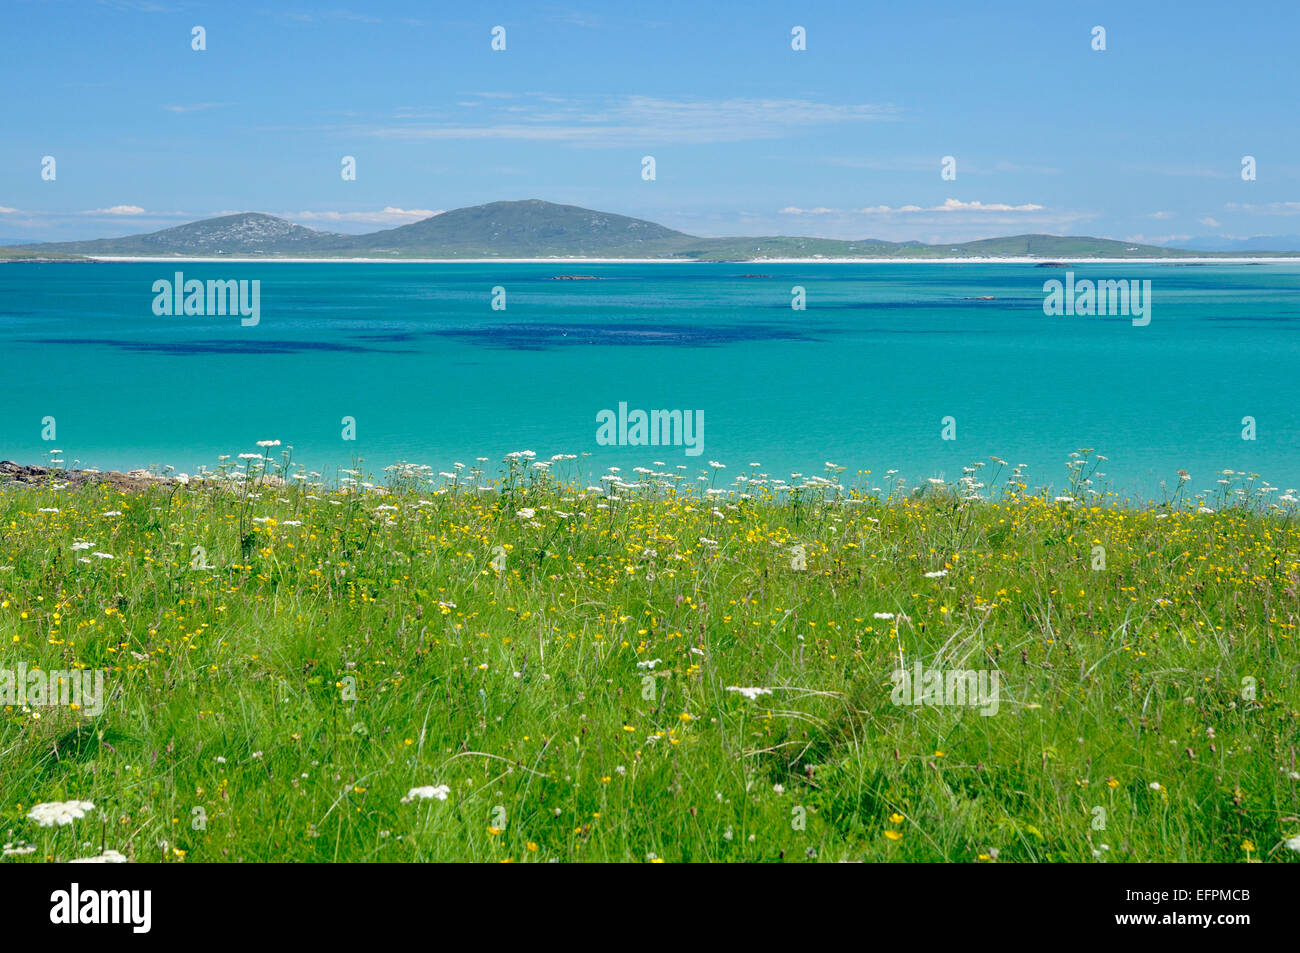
[{"x": 862, "y": 378}]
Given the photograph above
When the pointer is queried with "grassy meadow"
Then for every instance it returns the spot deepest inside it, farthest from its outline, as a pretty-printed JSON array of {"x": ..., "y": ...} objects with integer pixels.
[{"x": 555, "y": 668}]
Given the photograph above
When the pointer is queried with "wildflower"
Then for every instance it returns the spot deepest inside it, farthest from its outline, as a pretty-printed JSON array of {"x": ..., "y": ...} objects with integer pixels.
[
  {"x": 428, "y": 791},
  {"x": 937, "y": 574},
  {"x": 526, "y": 513},
  {"x": 59, "y": 812},
  {"x": 107, "y": 857},
  {"x": 750, "y": 693}
]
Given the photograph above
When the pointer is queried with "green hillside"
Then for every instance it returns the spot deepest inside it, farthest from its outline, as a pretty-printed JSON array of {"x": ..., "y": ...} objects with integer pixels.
[{"x": 537, "y": 229}]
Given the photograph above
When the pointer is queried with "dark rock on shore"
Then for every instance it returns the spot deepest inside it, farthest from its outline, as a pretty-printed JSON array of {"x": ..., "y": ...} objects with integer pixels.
[{"x": 11, "y": 472}]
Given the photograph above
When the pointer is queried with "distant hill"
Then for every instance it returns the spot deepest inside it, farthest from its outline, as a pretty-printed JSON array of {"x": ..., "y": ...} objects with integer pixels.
[
  {"x": 536, "y": 229},
  {"x": 1257, "y": 245},
  {"x": 527, "y": 229},
  {"x": 248, "y": 233}
]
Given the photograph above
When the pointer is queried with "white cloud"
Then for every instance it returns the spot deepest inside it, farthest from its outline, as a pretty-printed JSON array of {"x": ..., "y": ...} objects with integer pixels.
[
  {"x": 949, "y": 205},
  {"x": 5, "y": 210},
  {"x": 1162, "y": 215},
  {"x": 388, "y": 216},
  {"x": 1213, "y": 223},
  {"x": 820, "y": 210},
  {"x": 116, "y": 210},
  {"x": 1155, "y": 239}
]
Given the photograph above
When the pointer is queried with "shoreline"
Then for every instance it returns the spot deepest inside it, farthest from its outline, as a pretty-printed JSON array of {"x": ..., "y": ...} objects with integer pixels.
[
  {"x": 41, "y": 476},
  {"x": 690, "y": 261}
]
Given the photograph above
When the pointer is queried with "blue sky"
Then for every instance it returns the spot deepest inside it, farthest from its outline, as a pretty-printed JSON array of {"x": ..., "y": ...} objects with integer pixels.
[{"x": 1142, "y": 142}]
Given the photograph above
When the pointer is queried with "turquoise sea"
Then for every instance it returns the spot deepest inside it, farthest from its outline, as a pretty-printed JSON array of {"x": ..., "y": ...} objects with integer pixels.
[{"x": 863, "y": 378}]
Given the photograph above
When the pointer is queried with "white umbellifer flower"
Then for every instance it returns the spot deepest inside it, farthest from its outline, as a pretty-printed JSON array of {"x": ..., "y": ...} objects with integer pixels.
[
  {"x": 1064, "y": 499},
  {"x": 59, "y": 812},
  {"x": 48, "y": 509},
  {"x": 1204, "y": 509},
  {"x": 750, "y": 693},
  {"x": 428, "y": 791},
  {"x": 937, "y": 574},
  {"x": 21, "y": 850},
  {"x": 268, "y": 443},
  {"x": 526, "y": 513},
  {"x": 1294, "y": 843},
  {"x": 882, "y": 615},
  {"x": 103, "y": 555},
  {"x": 1155, "y": 785},
  {"x": 107, "y": 857},
  {"x": 649, "y": 664},
  {"x": 113, "y": 513},
  {"x": 779, "y": 789},
  {"x": 82, "y": 545}
]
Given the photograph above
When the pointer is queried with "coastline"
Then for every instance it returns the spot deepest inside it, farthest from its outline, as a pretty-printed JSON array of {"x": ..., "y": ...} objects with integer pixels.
[{"x": 691, "y": 261}]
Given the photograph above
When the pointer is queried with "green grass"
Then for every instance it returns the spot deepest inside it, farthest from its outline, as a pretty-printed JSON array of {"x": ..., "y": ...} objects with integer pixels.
[{"x": 280, "y": 705}]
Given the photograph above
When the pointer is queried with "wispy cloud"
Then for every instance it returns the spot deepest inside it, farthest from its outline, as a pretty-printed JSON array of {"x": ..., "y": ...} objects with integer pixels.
[
  {"x": 1155, "y": 239},
  {"x": 195, "y": 107},
  {"x": 622, "y": 120},
  {"x": 116, "y": 210},
  {"x": 949, "y": 205},
  {"x": 1270, "y": 208},
  {"x": 387, "y": 216},
  {"x": 348, "y": 16}
]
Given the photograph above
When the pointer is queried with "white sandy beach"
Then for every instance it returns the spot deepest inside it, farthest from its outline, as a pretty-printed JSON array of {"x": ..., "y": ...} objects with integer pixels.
[{"x": 740, "y": 261}]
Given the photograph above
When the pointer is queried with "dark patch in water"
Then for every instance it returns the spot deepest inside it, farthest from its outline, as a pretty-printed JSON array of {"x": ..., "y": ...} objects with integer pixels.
[{"x": 539, "y": 337}]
